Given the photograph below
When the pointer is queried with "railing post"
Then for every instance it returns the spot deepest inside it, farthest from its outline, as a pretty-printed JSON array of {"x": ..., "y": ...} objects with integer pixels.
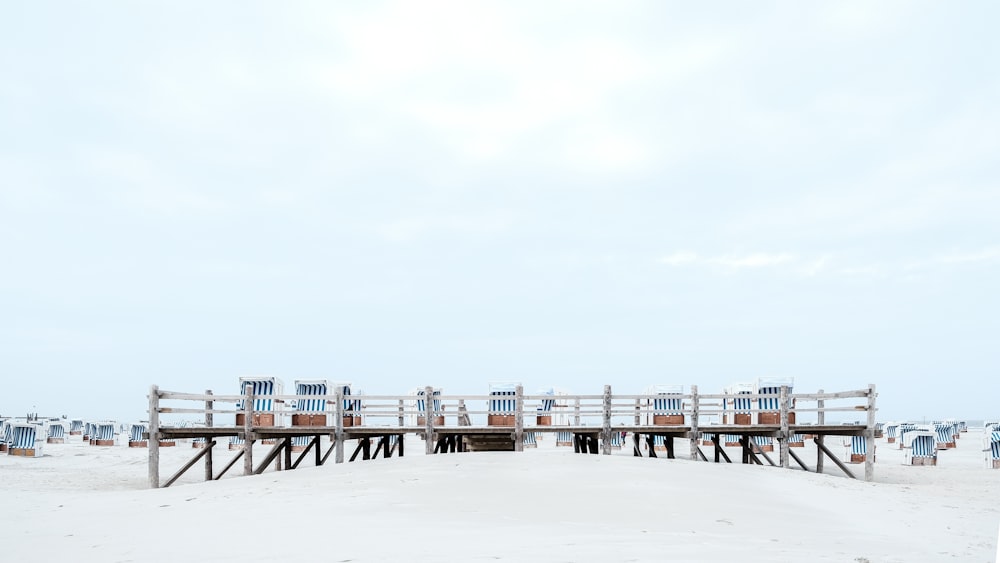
[
  {"x": 606, "y": 423},
  {"x": 576, "y": 412},
  {"x": 694, "y": 435},
  {"x": 870, "y": 436},
  {"x": 783, "y": 435},
  {"x": 248, "y": 431},
  {"x": 519, "y": 419},
  {"x": 338, "y": 425},
  {"x": 401, "y": 416},
  {"x": 154, "y": 437},
  {"x": 820, "y": 421},
  {"x": 209, "y": 423},
  {"x": 429, "y": 420}
]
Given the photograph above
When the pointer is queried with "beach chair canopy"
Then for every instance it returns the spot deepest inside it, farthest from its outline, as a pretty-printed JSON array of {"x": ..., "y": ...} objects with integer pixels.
[
  {"x": 502, "y": 397},
  {"x": 772, "y": 386},
  {"x": 922, "y": 443},
  {"x": 741, "y": 405},
  {"x": 263, "y": 388},
  {"x": 316, "y": 388},
  {"x": 667, "y": 399},
  {"x": 135, "y": 432}
]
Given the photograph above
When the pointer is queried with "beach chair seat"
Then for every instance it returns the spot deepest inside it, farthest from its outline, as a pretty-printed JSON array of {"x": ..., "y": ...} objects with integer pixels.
[
  {"x": 564, "y": 438},
  {"x": 667, "y": 404},
  {"x": 920, "y": 447},
  {"x": 856, "y": 449},
  {"x": 769, "y": 408},
  {"x": 136, "y": 435},
  {"x": 57, "y": 433}
]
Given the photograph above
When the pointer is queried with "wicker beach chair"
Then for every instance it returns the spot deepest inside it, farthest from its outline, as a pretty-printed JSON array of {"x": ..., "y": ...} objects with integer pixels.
[
  {"x": 920, "y": 447},
  {"x": 502, "y": 404}
]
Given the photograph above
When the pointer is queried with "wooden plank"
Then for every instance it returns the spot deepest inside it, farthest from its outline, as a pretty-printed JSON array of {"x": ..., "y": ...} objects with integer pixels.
[
  {"x": 870, "y": 436},
  {"x": 606, "y": 422},
  {"x": 338, "y": 432},
  {"x": 797, "y": 460},
  {"x": 694, "y": 435},
  {"x": 209, "y": 422},
  {"x": 154, "y": 437},
  {"x": 429, "y": 420},
  {"x": 784, "y": 404},
  {"x": 182, "y": 470},
  {"x": 231, "y": 463},
  {"x": 519, "y": 419},
  {"x": 820, "y": 421},
  {"x": 248, "y": 431},
  {"x": 839, "y": 464}
]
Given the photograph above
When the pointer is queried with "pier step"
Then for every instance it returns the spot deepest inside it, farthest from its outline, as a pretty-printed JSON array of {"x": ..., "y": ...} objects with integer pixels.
[{"x": 489, "y": 443}]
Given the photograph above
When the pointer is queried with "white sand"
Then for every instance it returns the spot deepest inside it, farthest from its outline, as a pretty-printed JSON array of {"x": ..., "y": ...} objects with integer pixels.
[{"x": 90, "y": 505}]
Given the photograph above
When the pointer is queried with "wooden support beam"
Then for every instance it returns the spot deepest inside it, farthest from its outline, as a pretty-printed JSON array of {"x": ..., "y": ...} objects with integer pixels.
[
  {"x": 797, "y": 460},
  {"x": 762, "y": 453},
  {"x": 839, "y": 464},
  {"x": 870, "y": 435},
  {"x": 231, "y": 463},
  {"x": 820, "y": 420},
  {"x": 429, "y": 414},
  {"x": 636, "y": 437},
  {"x": 338, "y": 424},
  {"x": 783, "y": 449},
  {"x": 209, "y": 422},
  {"x": 606, "y": 422},
  {"x": 154, "y": 437},
  {"x": 188, "y": 465},
  {"x": 519, "y": 419},
  {"x": 333, "y": 447},
  {"x": 718, "y": 449},
  {"x": 694, "y": 435},
  {"x": 651, "y": 445},
  {"x": 248, "y": 431},
  {"x": 288, "y": 453},
  {"x": 271, "y": 456},
  {"x": 314, "y": 443}
]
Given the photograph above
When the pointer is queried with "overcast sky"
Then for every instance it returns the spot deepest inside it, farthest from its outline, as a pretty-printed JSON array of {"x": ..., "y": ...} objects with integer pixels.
[{"x": 556, "y": 193}]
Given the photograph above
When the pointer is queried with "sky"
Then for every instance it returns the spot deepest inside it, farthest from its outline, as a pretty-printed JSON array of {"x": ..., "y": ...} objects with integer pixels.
[{"x": 572, "y": 194}]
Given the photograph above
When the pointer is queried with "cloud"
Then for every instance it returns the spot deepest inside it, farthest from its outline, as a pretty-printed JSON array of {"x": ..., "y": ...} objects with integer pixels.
[{"x": 735, "y": 262}]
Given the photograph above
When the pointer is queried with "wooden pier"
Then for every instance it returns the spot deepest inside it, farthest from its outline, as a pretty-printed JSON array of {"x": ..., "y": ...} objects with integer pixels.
[{"x": 592, "y": 419}]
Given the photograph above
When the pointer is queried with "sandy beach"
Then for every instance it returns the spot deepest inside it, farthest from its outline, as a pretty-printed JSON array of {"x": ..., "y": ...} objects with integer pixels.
[{"x": 546, "y": 504}]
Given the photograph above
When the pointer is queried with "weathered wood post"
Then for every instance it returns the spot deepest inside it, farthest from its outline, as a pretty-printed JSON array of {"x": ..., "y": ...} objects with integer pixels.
[
  {"x": 820, "y": 421},
  {"x": 576, "y": 412},
  {"x": 870, "y": 436},
  {"x": 338, "y": 425},
  {"x": 209, "y": 423},
  {"x": 636, "y": 452},
  {"x": 694, "y": 435},
  {"x": 519, "y": 419},
  {"x": 248, "y": 437},
  {"x": 606, "y": 422},
  {"x": 783, "y": 435},
  {"x": 154, "y": 437},
  {"x": 429, "y": 420},
  {"x": 402, "y": 418}
]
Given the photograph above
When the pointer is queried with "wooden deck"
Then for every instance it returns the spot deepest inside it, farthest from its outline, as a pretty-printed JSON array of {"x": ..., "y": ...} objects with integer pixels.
[{"x": 591, "y": 419}]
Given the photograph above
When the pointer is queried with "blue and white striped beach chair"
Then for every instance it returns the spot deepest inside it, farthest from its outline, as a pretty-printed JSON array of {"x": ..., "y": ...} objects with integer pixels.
[
  {"x": 770, "y": 407},
  {"x": 856, "y": 449},
  {"x": 667, "y": 404},
  {"x": 75, "y": 427},
  {"x": 135, "y": 435},
  {"x": 739, "y": 408},
  {"x": 264, "y": 406},
  {"x": 89, "y": 431},
  {"x": 879, "y": 429},
  {"x": 236, "y": 443},
  {"x": 731, "y": 440},
  {"x": 891, "y": 432},
  {"x": 945, "y": 433},
  {"x": 991, "y": 445},
  {"x": 543, "y": 415},
  {"x": 564, "y": 438},
  {"x": 27, "y": 439},
  {"x": 57, "y": 433},
  {"x": 920, "y": 447},
  {"x": 421, "y": 404},
  {"x": 502, "y": 404},
  {"x": 104, "y": 434},
  {"x": 764, "y": 443},
  {"x": 310, "y": 406},
  {"x": 6, "y": 435},
  {"x": 529, "y": 440},
  {"x": 902, "y": 430},
  {"x": 796, "y": 440}
]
